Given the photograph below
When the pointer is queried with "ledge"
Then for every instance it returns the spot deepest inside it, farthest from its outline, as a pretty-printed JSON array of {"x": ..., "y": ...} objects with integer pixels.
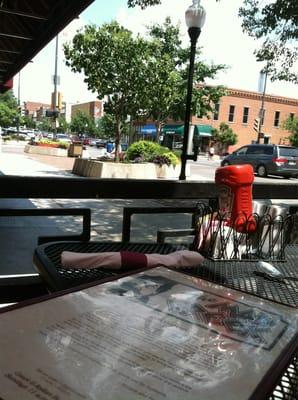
[
  {"x": 110, "y": 169},
  {"x": 49, "y": 151}
]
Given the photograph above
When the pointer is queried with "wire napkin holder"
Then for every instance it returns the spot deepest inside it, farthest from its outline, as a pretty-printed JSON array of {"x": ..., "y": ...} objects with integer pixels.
[{"x": 255, "y": 236}]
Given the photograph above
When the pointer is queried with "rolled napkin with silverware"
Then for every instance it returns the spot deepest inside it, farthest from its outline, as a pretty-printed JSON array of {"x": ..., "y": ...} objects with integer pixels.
[{"x": 129, "y": 260}]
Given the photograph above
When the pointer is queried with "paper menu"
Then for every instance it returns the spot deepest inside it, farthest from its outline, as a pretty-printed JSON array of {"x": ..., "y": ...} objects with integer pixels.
[{"x": 155, "y": 335}]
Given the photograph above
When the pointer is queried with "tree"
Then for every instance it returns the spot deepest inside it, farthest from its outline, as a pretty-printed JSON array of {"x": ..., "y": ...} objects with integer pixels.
[
  {"x": 224, "y": 137},
  {"x": 114, "y": 64},
  {"x": 273, "y": 21},
  {"x": 28, "y": 121},
  {"x": 8, "y": 109},
  {"x": 62, "y": 124},
  {"x": 106, "y": 126},
  {"x": 276, "y": 23},
  {"x": 167, "y": 78},
  {"x": 143, "y": 3},
  {"x": 82, "y": 123},
  {"x": 45, "y": 124},
  {"x": 291, "y": 124}
]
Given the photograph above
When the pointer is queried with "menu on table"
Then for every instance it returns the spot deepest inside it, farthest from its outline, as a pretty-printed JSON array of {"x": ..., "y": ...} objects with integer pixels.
[{"x": 158, "y": 334}]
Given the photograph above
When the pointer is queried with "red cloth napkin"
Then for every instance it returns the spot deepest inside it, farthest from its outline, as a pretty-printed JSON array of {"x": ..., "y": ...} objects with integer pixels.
[{"x": 130, "y": 260}]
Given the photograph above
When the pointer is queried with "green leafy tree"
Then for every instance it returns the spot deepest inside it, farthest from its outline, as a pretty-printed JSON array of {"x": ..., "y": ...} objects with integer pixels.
[
  {"x": 82, "y": 123},
  {"x": 9, "y": 99},
  {"x": 106, "y": 126},
  {"x": 114, "y": 64},
  {"x": 28, "y": 122},
  {"x": 291, "y": 124},
  {"x": 63, "y": 125},
  {"x": 274, "y": 22},
  {"x": 142, "y": 3},
  {"x": 45, "y": 124},
  {"x": 167, "y": 78},
  {"x": 224, "y": 137},
  {"x": 8, "y": 109}
]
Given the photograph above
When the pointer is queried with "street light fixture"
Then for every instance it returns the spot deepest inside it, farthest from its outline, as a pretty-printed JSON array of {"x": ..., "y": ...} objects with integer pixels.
[{"x": 195, "y": 17}]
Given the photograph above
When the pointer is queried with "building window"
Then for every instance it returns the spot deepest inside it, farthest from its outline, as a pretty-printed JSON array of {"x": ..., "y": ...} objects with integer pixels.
[
  {"x": 216, "y": 112},
  {"x": 245, "y": 115},
  {"x": 276, "y": 118},
  {"x": 231, "y": 113},
  {"x": 291, "y": 116}
]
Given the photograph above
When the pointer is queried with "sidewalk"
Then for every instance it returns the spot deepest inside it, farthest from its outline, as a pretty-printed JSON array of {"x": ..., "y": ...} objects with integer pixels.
[{"x": 18, "y": 236}]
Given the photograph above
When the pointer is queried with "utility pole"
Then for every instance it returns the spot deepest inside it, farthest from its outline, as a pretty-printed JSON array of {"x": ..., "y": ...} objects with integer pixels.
[{"x": 261, "y": 114}]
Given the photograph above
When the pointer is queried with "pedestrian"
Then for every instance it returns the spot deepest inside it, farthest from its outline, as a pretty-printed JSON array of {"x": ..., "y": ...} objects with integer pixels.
[{"x": 211, "y": 152}]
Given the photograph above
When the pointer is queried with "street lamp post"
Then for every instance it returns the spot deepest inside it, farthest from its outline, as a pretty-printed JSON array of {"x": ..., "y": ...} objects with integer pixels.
[
  {"x": 194, "y": 17},
  {"x": 261, "y": 113}
]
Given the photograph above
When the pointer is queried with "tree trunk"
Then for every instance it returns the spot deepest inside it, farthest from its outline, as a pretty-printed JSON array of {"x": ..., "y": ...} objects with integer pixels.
[
  {"x": 117, "y": 138},
  {"x": 158, "y": 126}
]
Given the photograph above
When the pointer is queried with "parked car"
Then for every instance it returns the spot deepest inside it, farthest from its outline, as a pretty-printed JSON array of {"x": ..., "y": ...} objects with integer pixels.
[
  {"x": 267, "y": 159},
  {"x": 87, "y": 141},
  {"x": 101, "y": 143},
  {"x": 62, "y": 137}
]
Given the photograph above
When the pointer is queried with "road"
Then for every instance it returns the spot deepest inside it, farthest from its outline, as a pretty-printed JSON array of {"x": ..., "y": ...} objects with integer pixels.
[{"x": 202, "y": 169}]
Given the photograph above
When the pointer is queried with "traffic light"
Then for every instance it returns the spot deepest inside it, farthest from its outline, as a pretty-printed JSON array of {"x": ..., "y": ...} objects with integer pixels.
[{"x": 257, "y": 122}]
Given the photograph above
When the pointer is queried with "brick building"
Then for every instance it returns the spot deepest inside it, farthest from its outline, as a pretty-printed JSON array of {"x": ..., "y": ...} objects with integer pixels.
[
  {"x": 92, "y": 108},
  {"x": 35, "y": 109},
  {"x": 239, "y": 109}
]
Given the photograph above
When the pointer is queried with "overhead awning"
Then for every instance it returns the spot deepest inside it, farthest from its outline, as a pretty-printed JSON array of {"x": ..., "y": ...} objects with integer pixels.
[
  {"x": 27, "y": 26},
  {"x": 173, "y": 130},
  {"x": 149, "y": 129},
  {"x": 200, "y": 130},
  {"x": 204, "y": 130}
]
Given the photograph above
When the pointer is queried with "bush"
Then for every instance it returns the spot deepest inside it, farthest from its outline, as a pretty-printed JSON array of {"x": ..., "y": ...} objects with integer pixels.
[
  {"x": 17, "y": 137},
  {"x": 145, "y": 151}
]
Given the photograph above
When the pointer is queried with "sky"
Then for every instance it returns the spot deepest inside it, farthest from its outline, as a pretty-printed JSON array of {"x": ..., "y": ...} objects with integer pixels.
[{"x": 222, "y": 41}]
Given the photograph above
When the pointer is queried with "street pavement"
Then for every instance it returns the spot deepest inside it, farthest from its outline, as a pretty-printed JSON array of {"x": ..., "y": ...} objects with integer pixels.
[{"x": 18, "y": 235}]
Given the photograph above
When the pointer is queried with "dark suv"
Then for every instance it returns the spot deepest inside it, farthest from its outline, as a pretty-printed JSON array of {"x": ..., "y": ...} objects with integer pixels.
[{"x": 267, "y": 159}]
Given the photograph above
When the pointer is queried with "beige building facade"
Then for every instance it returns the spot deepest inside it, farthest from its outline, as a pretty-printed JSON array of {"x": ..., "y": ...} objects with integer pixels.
[{"x": 92, "y": 108}]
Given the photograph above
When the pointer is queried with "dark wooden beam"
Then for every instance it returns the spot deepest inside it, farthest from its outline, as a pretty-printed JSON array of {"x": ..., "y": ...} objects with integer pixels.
[
  {"x": 15, "y": 36},
  {"x": 21, "y": 14}
]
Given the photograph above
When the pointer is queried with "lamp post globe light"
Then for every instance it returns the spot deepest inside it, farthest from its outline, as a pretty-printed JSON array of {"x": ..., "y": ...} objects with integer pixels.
[{"x": 195, "y": 17}]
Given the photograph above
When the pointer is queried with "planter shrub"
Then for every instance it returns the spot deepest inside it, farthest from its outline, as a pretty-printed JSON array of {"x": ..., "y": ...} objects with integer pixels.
[{"x": 145, "y": 151}]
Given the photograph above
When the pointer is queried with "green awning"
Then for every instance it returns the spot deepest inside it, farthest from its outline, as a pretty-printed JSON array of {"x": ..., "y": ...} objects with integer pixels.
[
  {"x": 204, "y": 130},
  {"x": 173, "y": 129},
  {"x": 201, "y": 130}
]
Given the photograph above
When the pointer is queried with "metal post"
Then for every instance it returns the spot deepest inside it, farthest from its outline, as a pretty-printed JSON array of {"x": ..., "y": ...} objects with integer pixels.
[
  {"x": 261, "y": 116},
  {"x": 19, "y": 102},
  {"x": 55, "y": 86},
  {"x": 194, "y": 33}
]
